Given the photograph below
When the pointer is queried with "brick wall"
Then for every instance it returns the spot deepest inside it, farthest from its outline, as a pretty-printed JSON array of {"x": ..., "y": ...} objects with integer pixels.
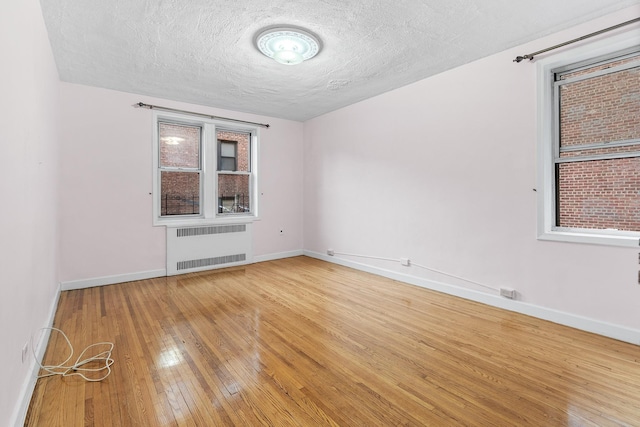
[
  {"x": 180, "y": 193},
  {"x": 600, "y": 194},
  {"x": 601, "y": 109},
  {"x": 179, "y": 145}
]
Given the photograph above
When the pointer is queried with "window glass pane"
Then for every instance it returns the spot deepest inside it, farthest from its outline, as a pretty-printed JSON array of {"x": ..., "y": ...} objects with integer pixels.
[
  {"x": 599, "y": 194},
  {"x": 601, "y": 109},
  {"x": 227, "y": 163},
  {"x": 233, "y": 193},
  {"x": 227, "y": 149},
  {"x": 179, "y": 145},
  {"x": 179, "y": 193},
  {"x": 242, "y": 142}
]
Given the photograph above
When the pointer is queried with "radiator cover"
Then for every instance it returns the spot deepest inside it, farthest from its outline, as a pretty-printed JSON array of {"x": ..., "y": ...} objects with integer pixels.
[{"x": 207, "y": 247}]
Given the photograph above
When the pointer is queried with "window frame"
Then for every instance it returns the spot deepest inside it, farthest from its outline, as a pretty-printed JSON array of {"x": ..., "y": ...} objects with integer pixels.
[
  {"x": 547, "y": 140},
  {"x": 209, "y": 150}
]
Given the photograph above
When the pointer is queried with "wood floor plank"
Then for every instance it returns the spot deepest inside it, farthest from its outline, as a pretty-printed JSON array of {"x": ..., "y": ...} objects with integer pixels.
[{"x": 300, "y": 342}]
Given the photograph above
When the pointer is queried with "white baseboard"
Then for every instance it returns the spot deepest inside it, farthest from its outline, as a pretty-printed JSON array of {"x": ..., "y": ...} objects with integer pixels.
[
  {"x": 610, "y": 330},
  {"x": 111, "y": 280},
  {"x": 26, "y": 392},
  {"x": 142, "y": 275},
  {"x": 279, "y": 255}
]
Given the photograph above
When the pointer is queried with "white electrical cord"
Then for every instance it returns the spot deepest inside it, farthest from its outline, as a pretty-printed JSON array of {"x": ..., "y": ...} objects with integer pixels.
[
  {"x": 366, "y": 256},
  {"x": 421, "y": 266},
  {"x": 103, "y": 359},
  {"x": 456, "y": 277}
]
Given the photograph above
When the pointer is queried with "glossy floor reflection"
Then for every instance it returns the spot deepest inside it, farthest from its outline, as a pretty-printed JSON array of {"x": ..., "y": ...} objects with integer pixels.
[{"x": 300, "y": 342}]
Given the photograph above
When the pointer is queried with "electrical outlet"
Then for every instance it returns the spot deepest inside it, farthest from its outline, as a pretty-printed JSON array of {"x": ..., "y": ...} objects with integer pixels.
[
  {"x": 330, "y": 252},
  {"x": 508, "y": 293},
  {"x": 405, "y": 261},
  {"x": 25, "y": 350}
]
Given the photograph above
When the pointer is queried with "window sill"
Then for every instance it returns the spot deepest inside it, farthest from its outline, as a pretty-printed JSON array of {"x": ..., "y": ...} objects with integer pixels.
[
  {"x": 194, "y": 222},
  {"x": 586, "y": 237}
]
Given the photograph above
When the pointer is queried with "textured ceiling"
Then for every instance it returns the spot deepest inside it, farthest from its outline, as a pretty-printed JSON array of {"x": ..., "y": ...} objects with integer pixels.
[{"x": 202, "y": 51}]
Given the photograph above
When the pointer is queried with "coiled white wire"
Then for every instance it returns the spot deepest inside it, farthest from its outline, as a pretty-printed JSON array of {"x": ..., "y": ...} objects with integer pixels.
[{"x": 103, "y": 359}]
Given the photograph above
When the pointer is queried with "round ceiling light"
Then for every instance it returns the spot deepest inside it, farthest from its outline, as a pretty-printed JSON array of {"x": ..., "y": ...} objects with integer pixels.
[{"x": 288, "y": 45}]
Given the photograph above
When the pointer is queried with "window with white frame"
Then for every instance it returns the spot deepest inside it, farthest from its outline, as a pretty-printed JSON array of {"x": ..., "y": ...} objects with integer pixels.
[
  {"x": 204, "y": 170},
  {"x": 234, "y": 171},
  {"x": 180, "y": 168},
  {"x": 590, "y": 148}
]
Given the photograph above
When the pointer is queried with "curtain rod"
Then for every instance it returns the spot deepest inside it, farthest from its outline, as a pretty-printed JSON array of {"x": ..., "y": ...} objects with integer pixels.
[
  {"x": 530, "y": 56},
  {"x": 175, "y": 110}
]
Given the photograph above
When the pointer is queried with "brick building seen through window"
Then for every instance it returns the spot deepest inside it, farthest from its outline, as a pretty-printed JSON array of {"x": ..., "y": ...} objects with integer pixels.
[
  {"x": 234, "y": 188},
  {"x": 181, "y": 170},
  {"x": 598, "y": 164}
]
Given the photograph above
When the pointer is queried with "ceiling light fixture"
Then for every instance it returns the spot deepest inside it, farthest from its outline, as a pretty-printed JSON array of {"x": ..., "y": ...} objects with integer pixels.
[{"x": 288, "y": 45}]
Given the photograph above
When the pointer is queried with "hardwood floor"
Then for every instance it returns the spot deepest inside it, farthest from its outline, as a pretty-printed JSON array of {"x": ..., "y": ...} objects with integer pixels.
[{"x": 300, "y": 342}]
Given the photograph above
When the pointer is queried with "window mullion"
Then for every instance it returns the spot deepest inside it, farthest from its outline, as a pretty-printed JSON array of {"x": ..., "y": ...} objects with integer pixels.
[
  {"x": 175, "y": 169},
  {"x": 605, "y": 156},
  {"x": 557, "y": 99},
  {"x": 209, "y": 175},
  {"x": 612, "y": 144},
  {"x": 223, "y": 172}
]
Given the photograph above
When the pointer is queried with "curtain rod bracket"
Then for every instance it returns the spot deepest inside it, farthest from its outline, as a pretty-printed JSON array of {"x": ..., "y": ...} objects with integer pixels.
[{"x": 522, "y": 58}]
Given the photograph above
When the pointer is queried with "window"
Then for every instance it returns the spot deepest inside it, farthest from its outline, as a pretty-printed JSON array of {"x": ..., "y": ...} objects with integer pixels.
[
  {"x": 597, "y": 163},
  {"x": 205, "y": 171},
  {"x": 180, "y": 168},
  {"x": 234, "y": 171},
  {"x": 590, "y": 148}
]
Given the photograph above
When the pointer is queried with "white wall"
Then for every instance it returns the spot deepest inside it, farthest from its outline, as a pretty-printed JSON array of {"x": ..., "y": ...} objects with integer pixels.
[
  {"x": 106, "y": 181},
  {"x": 28, "y": 192},
  {"x": 443, "y": 172}
]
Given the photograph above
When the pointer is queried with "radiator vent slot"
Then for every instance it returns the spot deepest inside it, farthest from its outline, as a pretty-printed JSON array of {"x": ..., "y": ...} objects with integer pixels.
[
  {"x": 214, "y": 229},
  {"x": 206, "y": 262},
  {"x": 206, "y": 247}
]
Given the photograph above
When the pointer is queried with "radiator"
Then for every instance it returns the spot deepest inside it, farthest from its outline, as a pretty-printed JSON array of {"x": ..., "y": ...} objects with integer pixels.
[{"x": 207, "y": 247}]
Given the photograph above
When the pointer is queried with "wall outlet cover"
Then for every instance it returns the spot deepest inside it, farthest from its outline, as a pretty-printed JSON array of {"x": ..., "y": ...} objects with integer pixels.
[{"x": 508, "y": 293}]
